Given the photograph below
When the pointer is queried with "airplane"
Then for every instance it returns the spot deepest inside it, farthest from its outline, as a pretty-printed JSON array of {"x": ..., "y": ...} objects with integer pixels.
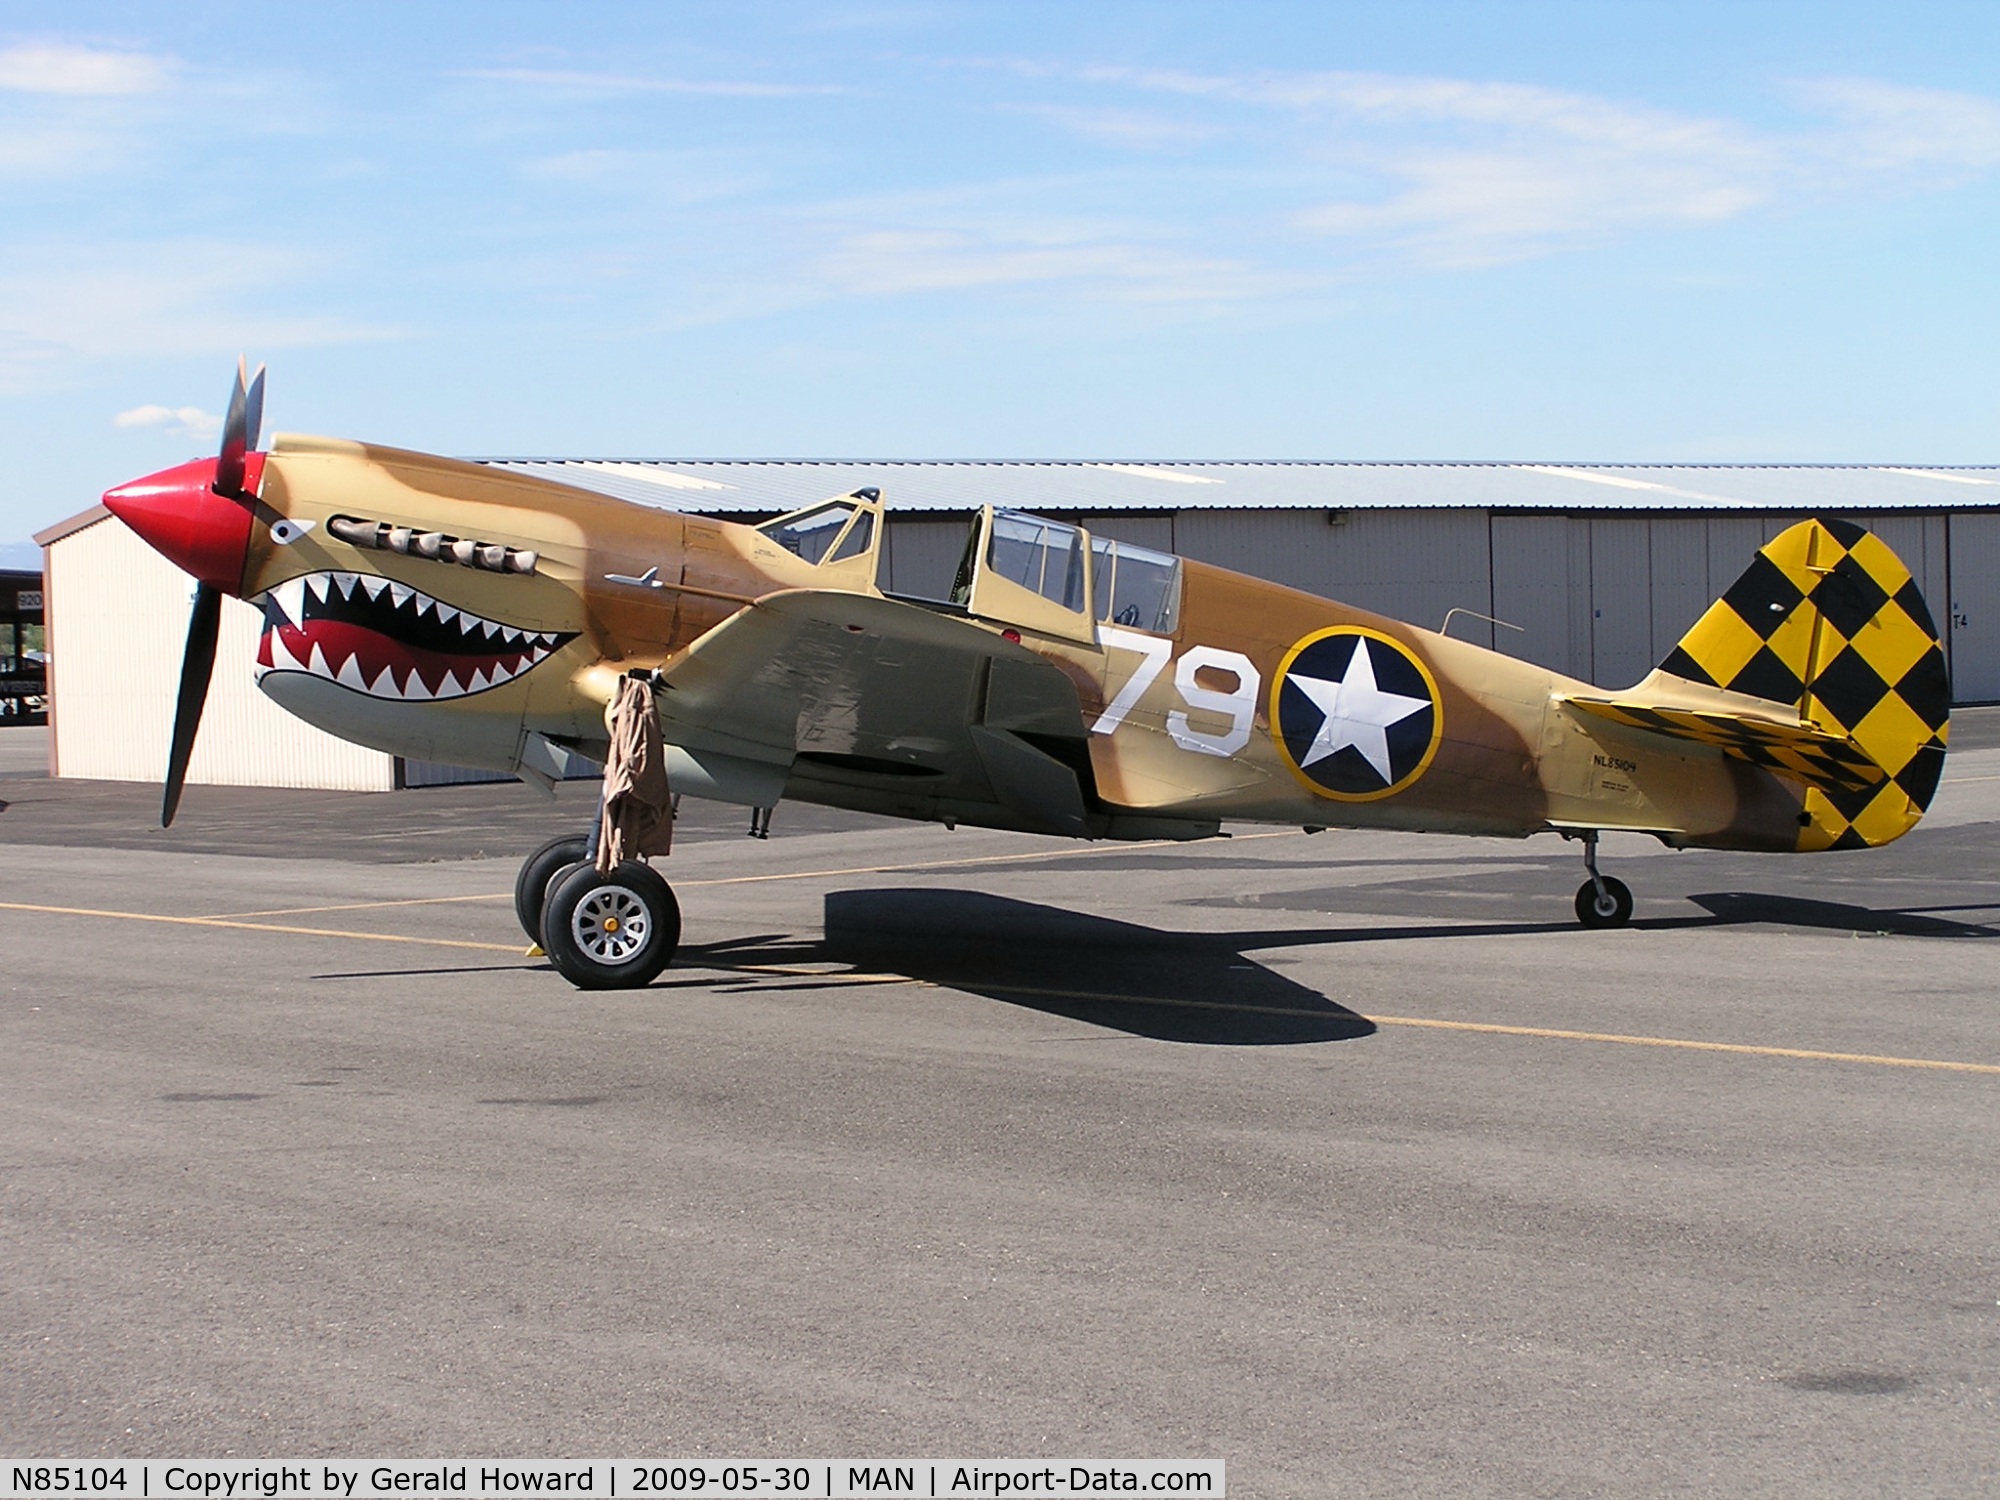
[{"x": 1070, "y": 685}]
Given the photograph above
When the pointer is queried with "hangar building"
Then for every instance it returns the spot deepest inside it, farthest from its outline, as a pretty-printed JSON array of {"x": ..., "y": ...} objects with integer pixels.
[{"x": 1596, "y": 570}]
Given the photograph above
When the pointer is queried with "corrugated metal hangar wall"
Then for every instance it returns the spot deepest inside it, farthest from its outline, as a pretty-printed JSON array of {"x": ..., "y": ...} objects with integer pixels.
[
  {"x": 1602, "y": 566},
  {"x": 1603, "y": 598}
]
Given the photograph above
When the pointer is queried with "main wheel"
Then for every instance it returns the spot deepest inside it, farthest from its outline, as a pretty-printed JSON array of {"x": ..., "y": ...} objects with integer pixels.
[
  {"x": 1611, "y": 907},
  {"x": 531, "y": 886},
  {"x": 610, "y": 932}
]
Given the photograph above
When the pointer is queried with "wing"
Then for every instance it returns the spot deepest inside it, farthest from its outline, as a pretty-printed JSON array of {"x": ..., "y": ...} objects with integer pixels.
[
  {"x": 1831, "y": 762},
  {"x": 884, "y": 705}
]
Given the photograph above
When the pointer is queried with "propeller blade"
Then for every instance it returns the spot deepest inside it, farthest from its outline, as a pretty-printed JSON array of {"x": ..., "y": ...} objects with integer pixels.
[
  {"x": 253, "y": 414},
  {"x": 236, "y": 434},
  {"x": 197, "y": 664}
]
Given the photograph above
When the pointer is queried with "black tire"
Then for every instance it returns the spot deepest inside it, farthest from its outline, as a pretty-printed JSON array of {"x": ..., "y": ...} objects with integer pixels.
[
  {"x": 610, "y": 932},
  {"x": 538, "y": 870},
  {"x": 1611, "y": 909}
]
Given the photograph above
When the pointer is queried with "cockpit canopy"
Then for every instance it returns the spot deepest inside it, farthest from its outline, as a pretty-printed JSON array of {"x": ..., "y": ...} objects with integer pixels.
[
  {"x": 1131, "y": 586},
  {"x": 1135, "y": 586},
  {"x": 832, "y": 532}
]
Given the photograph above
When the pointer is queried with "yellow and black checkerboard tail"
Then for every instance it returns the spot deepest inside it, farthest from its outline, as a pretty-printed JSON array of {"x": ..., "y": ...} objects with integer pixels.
[{"x": 1827, "y": 621}]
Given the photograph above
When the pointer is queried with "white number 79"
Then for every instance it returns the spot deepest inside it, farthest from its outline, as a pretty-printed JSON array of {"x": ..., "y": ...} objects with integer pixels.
[{"x": 1239, "y": 702}]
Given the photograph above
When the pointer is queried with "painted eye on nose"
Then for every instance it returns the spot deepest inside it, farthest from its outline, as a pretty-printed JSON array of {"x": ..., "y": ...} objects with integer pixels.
[{"x": 287, "y": 531}]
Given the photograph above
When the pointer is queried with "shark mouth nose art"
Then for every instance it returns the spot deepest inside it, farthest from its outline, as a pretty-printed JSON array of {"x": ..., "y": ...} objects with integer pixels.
[{"x": 389, "y": 640}]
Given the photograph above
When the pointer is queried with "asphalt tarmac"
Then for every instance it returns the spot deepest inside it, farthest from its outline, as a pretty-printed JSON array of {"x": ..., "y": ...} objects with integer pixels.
[{"x": 1347, "y": 1158}]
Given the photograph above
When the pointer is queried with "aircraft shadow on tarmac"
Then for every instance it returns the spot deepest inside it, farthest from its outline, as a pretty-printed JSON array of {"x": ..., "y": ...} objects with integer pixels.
[
  {"x": 1736, "y": 907},
  {"x": 1173, "y": 986},
  {"x": 1201, "y": 987}
]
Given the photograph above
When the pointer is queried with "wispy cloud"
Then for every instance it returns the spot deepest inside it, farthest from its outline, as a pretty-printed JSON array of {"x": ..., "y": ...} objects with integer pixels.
[
  {"x": 67, "y": 111},
  {"x": 1455, "y": 173},
  {"x": 1462, "y": 208},
  {"x": 886, "y": 262},
  {"x": 675, "y": 176},
  {"x": 178, "y": 421},
  {"x": 1892, "y": 129},
  {"x": 1145, "y": 130},
  {"x": 63, "y": 68},
  {"x": 63, "y": 308},
  {"x": 1194, "y": 190},
  {"x": 579, "y": 83},
  {"x": 54, "y": 151},
  {"x": 1467, "y": 173}
]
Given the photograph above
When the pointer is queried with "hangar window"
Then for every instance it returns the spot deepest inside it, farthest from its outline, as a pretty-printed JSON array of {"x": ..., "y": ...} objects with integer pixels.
[{"x": 1135, "y": 586}]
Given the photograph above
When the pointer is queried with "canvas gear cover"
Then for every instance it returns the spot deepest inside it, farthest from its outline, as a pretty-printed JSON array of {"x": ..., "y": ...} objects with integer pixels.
[{"x": 637, "y": 817}]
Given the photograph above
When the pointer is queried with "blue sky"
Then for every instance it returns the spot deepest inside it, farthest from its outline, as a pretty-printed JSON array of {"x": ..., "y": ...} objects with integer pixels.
[{"x": 1755, "y": 231}]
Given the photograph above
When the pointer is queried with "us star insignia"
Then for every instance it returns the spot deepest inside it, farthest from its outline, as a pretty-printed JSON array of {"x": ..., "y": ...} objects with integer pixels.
[{"x": 1356, "y": 713}]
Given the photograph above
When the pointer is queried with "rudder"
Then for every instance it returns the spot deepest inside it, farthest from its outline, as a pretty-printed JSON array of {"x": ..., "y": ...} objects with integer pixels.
[{"x": 1827, "y": 620}]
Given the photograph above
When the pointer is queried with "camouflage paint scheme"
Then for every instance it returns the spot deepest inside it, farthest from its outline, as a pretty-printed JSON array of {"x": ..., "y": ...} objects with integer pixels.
[{"x": 1514, "y": 749}]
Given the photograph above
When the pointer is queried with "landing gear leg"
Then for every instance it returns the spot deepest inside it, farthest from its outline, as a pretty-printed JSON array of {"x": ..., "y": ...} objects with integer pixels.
[{"x": 1602, "y": 900}]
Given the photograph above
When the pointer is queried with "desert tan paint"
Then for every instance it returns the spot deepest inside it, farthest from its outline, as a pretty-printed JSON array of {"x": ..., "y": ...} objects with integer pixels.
[{"x": 1510, "y": 761}]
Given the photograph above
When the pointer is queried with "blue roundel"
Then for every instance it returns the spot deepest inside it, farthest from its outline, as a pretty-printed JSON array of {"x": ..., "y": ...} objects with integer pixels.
[{"x": 1356, "y": 713}]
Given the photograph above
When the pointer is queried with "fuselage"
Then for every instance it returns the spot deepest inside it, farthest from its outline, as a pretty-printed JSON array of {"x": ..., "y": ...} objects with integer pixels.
[{"x": 445, "y": 611}]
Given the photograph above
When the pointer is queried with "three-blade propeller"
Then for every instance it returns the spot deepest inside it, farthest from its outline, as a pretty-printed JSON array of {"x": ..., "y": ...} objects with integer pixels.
[{"x": 240, "y": 432}]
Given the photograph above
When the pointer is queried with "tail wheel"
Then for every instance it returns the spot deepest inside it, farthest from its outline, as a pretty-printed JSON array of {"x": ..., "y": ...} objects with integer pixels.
[
  {"x": 1609, "y": 907},
  {"x": 538, "y": 872},
  {"x": 610, "y": 932}
]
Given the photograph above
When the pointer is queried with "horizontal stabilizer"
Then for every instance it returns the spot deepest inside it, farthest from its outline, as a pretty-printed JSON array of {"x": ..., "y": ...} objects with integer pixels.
[{"x": 1829, "y": 761}]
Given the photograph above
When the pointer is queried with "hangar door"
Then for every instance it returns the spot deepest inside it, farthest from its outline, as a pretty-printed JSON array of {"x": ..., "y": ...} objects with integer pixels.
[
  {"x": 1584, "y": 591},
  {"x": 1975, "y": 608},
  {"x": 1541, "y": 584}
]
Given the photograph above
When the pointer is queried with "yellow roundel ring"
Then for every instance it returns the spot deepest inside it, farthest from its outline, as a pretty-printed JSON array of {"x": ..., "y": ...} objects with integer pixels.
[{"x": 1356, "y": 714}]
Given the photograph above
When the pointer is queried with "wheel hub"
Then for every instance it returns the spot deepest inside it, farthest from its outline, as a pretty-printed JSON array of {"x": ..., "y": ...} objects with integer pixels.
[{"x": 611, "y": 924}]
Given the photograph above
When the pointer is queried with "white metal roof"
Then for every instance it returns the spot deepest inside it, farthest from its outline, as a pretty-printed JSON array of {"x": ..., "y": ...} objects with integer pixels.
[{"x": 722, "y": 486}]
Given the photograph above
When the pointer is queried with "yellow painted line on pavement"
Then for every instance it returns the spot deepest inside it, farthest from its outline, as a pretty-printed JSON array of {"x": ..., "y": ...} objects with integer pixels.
[
  {"x": 1232, "y": 1006},
  {"x": 301, "y": 911},
  {"x": 934, "y": 864},
  {"x": 1692, "y": 1046},
  {"x": 1292, "y": 1010},
  {"x": 366, "y": 937},
  {"x": 985, "y": 859},
  {"x": 843, "y": 977},
  {"x": 830, "y": 976}
]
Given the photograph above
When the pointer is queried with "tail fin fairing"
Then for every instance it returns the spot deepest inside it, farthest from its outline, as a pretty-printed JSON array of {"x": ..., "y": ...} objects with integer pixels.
[{"x": 1829, "y": 628}]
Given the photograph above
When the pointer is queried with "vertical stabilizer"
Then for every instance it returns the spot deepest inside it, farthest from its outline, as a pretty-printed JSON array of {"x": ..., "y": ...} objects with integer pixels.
[{"x": 1828, "y": 621}]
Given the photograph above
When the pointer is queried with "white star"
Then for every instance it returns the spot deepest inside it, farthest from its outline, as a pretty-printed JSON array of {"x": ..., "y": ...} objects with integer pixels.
[{"x": 1357, "y": 712}]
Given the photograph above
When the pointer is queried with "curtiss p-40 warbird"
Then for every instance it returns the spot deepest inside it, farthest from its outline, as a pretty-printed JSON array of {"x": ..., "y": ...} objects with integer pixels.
[{"x": 1070, "y": 685}]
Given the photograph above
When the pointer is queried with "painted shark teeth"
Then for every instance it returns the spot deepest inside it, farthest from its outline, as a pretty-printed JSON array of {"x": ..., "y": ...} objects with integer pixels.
[
  {"x": 349, "y": 674},
  {"x": 290, "y": 597},
  {"x": 493, "y": 652}
]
